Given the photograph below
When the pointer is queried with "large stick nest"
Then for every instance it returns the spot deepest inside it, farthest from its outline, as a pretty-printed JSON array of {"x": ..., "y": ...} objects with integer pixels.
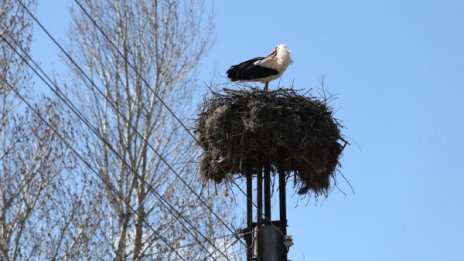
[{"x": 238, "y": 128}]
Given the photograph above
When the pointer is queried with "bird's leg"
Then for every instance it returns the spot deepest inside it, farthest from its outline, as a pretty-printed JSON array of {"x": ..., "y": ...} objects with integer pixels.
[{"x": 266, "y": 86}]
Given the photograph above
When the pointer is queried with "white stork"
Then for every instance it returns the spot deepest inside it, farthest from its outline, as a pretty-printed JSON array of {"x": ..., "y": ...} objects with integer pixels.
[{"x": 262, "y": 69}]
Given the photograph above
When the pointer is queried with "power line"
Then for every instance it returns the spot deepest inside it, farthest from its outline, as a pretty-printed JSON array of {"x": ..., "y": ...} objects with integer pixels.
[
  {"x": 129, "y": 123},
  {"x": 70, "y": 105},
  {"x": 113, "y": 189}
]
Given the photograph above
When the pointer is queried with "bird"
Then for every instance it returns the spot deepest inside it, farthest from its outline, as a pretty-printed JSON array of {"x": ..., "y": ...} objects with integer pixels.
[{"x": 262, "y": 69}]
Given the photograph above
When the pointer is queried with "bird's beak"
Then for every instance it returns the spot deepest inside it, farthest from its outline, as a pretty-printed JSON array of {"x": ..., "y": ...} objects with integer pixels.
[{"x": 272, "y": 55}]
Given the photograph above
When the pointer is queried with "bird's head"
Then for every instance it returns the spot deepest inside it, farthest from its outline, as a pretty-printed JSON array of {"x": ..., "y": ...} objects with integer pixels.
[
  {"x": 280, "y": 50},
  {"x": 283, "y": 54}
]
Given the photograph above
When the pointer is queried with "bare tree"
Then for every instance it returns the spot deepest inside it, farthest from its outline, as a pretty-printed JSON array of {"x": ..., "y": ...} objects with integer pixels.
[
  {"x": 164, "y": 42},
  {"x": 16, "y": 174},
  {"x": 33, "y": 157}
]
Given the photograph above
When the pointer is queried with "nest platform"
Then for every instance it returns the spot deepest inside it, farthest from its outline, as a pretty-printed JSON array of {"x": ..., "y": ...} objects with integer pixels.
[{"x": 239, "y": 128}]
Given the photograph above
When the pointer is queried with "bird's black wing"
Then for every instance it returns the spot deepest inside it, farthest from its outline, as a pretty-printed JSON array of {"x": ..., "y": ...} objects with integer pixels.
[{"x": 247, "y": 70}]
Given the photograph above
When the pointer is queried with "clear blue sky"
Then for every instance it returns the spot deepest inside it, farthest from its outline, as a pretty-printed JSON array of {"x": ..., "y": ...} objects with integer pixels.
[{"x": 397, "y": 68}]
